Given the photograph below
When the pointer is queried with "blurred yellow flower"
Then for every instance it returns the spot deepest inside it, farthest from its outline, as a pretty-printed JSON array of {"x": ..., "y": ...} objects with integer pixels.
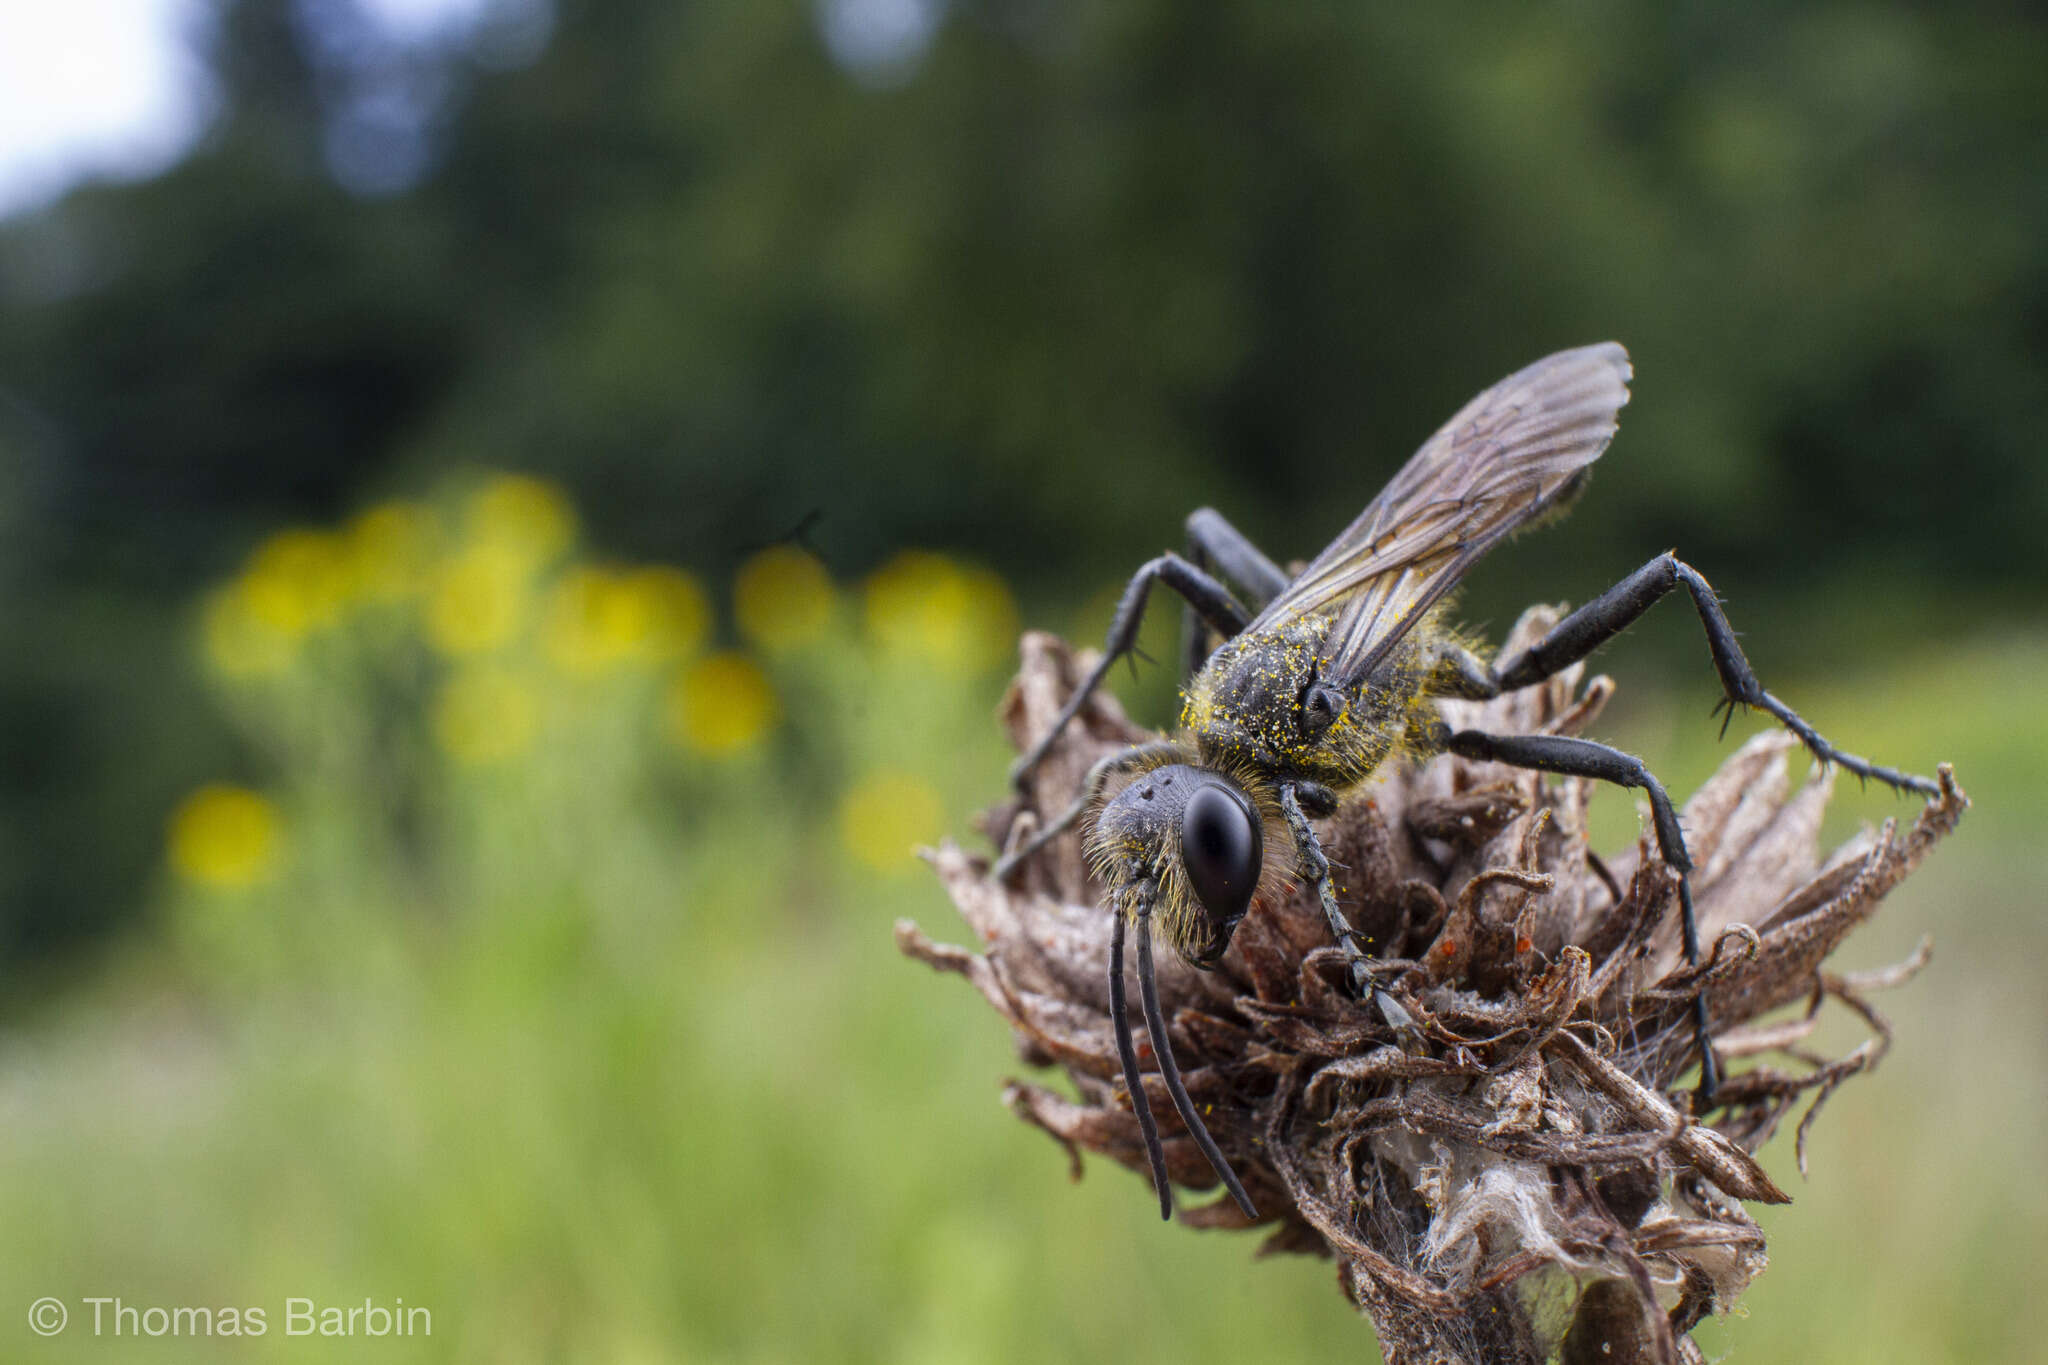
[
  {"x": 884, "y": 816},
  {"x": 960, "y": 617},
  {"x": 391, "y": 548},
  {"x": 721, "y": 704},
  {"x": 523, "y": 516},
  {"x": 598, "y": 619},
  {"x": 224, "y": 837},
  {"x": 593, "y": 622},
  {"x": 678, "y": 610},
  {"x": 478, "y": 601},
  {"x": 297, "y": 580},
  {"x": 783, "y": 597},
  {"x": 238, "y": 643},
  {"x": 485, "y": 715}
]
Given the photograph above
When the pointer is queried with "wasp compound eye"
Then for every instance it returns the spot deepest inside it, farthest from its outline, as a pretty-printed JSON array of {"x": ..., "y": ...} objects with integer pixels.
[{"x": 1221, "y": 845}]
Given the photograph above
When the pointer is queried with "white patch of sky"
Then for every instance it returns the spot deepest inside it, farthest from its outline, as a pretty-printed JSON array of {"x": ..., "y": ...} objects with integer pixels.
[
  {"x": 498, "y": 33},
  {"x": 425, "y": 21},
  {"x": 95, "y": 89},
  {"x": 879, "y": 42},
  {"x": 119, "y": 90}
]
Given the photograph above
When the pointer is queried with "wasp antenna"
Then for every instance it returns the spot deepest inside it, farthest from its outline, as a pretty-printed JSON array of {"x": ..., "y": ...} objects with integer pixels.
[
  {"x": 1120, "y": 1016},
  {"x": 1169, "y": 1071}
]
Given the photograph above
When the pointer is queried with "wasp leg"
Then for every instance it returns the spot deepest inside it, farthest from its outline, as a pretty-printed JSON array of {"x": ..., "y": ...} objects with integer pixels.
[
  {"x": 1207, "y": 596},
  {"x": 1120, "y": 1019},
  {"x": 1299, "y": 800},
  {"x": 1169, "y": 1071},
  {"x": 1602, "y": 763},
  {"x": 1315, "y": 867},
  {"x": 1220, "y": 548},
  {"x": 1451, "y": 670},
  {"x": 1600, "y": 620},
  {"x": 1122, "y": 761}
]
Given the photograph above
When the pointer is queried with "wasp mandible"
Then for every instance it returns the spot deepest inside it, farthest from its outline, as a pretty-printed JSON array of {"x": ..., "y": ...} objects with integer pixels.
[{"x": 1330, "y": 673}]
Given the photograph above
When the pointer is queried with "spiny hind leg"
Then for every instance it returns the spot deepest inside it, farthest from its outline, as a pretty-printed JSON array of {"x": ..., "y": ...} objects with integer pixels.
[
  {"x": 1603, "y": 763},
  {"x": 1122, "y": 761},
  {"x": 1217, "y": 547},
  {"x": 1203, "y": 592},
  {"x": 1600, "y": 620}
]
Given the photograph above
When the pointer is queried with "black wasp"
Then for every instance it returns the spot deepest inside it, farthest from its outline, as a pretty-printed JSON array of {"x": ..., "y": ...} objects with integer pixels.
[{"x": 1333, "y": 670}]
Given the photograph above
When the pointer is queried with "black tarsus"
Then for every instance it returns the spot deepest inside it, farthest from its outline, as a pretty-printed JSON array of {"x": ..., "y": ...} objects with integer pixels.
[
  {"x": 1218, "y": 608},
  {"x": 1127, "y": 1053},
  {"x": 1607, "y": 615},
  {"x": 1169, "y": 1071},
  {"x": 1604, "y": 763}
]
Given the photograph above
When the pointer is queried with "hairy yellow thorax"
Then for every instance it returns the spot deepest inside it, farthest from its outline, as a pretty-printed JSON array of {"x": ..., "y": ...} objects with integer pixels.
[{"x": 1246, "y": 707}]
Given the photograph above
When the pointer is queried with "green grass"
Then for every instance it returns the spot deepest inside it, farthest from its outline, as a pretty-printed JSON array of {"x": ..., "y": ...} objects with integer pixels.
[{"x": 620, "y": 1064}]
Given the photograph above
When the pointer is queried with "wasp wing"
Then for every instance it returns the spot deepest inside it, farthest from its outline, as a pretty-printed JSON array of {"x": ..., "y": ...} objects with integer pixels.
[{"x": 1510, "y": 454}]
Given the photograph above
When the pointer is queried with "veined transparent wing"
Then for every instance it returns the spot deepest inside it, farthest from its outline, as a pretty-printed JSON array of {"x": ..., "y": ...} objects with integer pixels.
[{"x": 1508, "y": 455}]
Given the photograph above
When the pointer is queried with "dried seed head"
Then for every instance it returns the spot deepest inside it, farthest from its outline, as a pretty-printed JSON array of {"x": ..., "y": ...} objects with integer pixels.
[{"x": 1513, "y": 1178}]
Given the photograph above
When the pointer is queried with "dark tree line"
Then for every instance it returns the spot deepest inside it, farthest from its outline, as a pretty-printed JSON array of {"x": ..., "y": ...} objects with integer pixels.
[{"x": 1080, "y": 269}]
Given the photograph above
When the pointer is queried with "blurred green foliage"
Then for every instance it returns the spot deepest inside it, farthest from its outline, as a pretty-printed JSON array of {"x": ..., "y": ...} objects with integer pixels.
[{"x": 506, "y": 861}]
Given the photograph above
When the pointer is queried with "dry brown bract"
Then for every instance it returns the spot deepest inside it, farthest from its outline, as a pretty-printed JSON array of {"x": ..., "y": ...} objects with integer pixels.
[{"x": 1519, "y": 1182}]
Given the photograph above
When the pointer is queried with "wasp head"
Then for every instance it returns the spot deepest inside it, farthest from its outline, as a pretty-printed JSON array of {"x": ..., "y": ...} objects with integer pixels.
[{"x": 1198, "y": 837}]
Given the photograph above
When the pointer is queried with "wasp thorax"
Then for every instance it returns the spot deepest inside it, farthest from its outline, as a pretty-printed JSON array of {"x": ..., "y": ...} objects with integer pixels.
[
  {"x": 1262, "y": 703},
  {"x": 1198, "y": 838},
  {"x": 1320, "y": 707}
]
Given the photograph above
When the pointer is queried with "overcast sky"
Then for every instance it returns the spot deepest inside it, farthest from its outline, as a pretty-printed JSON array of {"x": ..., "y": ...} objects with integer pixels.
[
  {"x": 112, "y": 88},
  {"x": 95, "y": 88}
]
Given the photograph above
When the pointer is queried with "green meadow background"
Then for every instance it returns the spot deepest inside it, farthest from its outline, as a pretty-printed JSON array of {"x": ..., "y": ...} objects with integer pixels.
[{"x": 493, "y": 593}]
